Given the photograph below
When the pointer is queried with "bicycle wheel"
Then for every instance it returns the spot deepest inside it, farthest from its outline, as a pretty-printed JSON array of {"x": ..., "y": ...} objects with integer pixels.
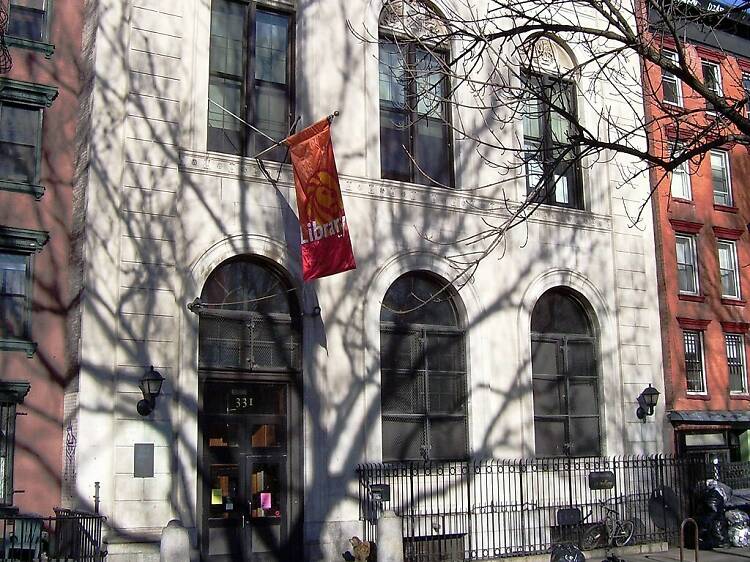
[
  {"x": 594, "y": 537},
  {"x": 624, "y": 533}
]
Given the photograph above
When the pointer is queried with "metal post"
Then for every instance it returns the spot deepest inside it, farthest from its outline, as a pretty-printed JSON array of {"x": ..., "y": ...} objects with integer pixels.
[
  {"x": 96, "y": 498},
  {"x": 682, "y": 538}
]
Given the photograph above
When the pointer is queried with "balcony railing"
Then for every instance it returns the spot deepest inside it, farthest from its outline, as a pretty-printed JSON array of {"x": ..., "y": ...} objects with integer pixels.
[{"x": 68, "y": 536}]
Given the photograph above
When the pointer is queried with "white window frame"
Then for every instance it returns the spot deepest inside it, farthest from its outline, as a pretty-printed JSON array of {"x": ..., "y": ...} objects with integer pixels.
[
  {"x": 680, "y": 185},
  {"x": 742, "y": 360},
  {"x": 732, "y": 267},
  {"x": 723, "y": 155},
  {"x": 672, "y": 56},
  {"x": 691, "y": 244},
  {"x": 720, "y": 87},
  {"x": 701, "y": 347}
]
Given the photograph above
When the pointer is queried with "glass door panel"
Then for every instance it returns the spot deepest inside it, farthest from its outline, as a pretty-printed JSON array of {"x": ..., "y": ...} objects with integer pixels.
[{"x": 267, "y": 505}]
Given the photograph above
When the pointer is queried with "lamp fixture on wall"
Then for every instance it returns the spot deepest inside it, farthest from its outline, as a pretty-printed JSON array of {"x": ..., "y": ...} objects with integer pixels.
[
  {"x": 150, "y": 386},
  {"x": 647, "y": 402}
]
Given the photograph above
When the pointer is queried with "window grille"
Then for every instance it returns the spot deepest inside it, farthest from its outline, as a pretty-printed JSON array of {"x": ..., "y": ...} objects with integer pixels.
[
  {"x": 694, "y": 361},
  {"x": 735, "y": 344}
]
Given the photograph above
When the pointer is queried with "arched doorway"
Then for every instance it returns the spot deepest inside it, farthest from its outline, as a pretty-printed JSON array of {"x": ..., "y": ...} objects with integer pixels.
[
  {"x": 565, "y": 376},
  {"x": 249, "y": 361}
]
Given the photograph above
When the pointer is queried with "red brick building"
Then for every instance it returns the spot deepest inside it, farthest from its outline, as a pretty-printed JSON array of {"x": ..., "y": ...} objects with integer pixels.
[
  {"x": 38, "y": 119},
  {"x": 701, "y": 213}
]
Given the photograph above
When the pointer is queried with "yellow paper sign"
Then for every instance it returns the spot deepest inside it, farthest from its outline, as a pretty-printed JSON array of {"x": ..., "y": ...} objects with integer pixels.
[{"x": 216, "y": 498}]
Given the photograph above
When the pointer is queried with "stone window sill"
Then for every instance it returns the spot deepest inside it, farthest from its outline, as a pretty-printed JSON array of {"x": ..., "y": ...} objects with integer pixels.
[
  {"x": 36, "y": 190},
  {"x": 28, "y": 347},
  {"x": 46, "y": 48}
]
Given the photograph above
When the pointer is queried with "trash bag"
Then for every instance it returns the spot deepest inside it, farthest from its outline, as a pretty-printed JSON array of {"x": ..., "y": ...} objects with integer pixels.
[
  {"x": 712, "y": 501},
  {"x": 723, "y": 489},
  {"x": 566, "y": 553},
  {"x": 737, "y": 518},
  {"x": 739, "y": 536},
  {"x": 720, "y": 531}
]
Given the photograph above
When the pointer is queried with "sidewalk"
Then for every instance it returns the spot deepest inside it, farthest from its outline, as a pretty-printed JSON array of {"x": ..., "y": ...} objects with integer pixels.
[{"x": 673, "y": 555}]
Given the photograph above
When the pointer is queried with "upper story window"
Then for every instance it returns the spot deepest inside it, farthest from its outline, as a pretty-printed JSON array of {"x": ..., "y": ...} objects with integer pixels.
[
  {"x": 565, "y": 377},
  {"x": 728, "y": 269},
  {"x": 17, "y": 247},
  {"x": 415, "y": 132},
  {"x": 680, "y": 185},
  {"x": 423, "y": 369},
  {"x": 712, "y": 80},
  {"x": 250, "y": 76},
  {"x": 671, "y": 86},
  {"x": 687, "y": 264},
  {"x": 21, "y": 111},
  {"x": 746, "y": 89},
  {"x": 28, "y": 24},
  {"x": 720, "y": 178}
]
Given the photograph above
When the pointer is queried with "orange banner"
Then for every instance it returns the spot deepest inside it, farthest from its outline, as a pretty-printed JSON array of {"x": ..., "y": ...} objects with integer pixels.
[{"x": 326, "y": 247}]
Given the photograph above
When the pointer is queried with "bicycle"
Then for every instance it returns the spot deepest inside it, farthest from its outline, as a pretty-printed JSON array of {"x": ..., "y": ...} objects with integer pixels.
[{"x": 612, "y": 531}]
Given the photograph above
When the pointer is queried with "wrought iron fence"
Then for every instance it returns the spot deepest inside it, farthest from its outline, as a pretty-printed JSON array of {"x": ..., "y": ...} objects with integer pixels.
[
  {"x": 68, "y": 536},
  {"x": 474, "y": 510}
]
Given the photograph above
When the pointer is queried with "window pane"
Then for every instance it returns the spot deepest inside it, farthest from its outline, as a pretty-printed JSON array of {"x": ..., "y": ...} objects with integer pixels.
[
  {"x": 680, "y": 185},
  {"x": 429, "y": 85},
  {"x": 419, "y": 299},
  {"x": 670, "y": 83},
  {"x": 27, "y": 19},
  {"x": 694, "y": 361},
  {"x": 711, "y": 77},
  {"x": 271, "y": 47},
  {"x": 394, "y": 146},
  {"x": 271, "y": 117},
  {"x": 19, "y": 131},
  {"x": 585, "y": 437},
  {"x": 403, "y": 393},
  {"x": 581, "y": 359},
  {"x": 533, "y": 110},
  {"x": 735, "y": 345},
  {"x": 227, "y": 35},
  {"x": 445, "y": 353},
  {"x": 447, "y": 439},
  {"x": 686, "y": 265},
  {"x": 401, "y": 350},
  {"x": 549, "y": 396},
  {"x": 544, "y": 357},
  {"x": 560, "y": 100},
  {"x": 447, "y": 394},
  {"x": 225, "y": 133},
  {"x": 550, "y": 438},
  {"x": 728, "y": 269},
  {"x": 402, "y": 439},
  {"x": 432, "y": 153},
  {"x": 534, "y": 169},
  {"x": 583, "y": 398},
  {"x": 720, "y": 178},
  {"x": 392, "y": 77},
  {"x": 558, "y": 312}
]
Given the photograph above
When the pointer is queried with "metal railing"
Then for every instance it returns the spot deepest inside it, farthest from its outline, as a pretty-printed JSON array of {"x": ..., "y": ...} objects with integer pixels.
[
  {"x": 68, "y": 536},
  {"x": 482, "y": 509}
]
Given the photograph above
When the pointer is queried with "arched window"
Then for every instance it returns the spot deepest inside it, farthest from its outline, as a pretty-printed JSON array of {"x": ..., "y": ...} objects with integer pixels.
[
  {"x": 249, "y": 319},
  {"x": 414, "y": 108},
  {"x": 564, "y": 364},
  {"x": 423, "y": 371},
  {"x": 549, "y": 107}
]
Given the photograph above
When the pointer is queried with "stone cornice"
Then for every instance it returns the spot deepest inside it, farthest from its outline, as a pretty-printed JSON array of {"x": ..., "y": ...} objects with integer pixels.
[{"x": 387, "y": 190}]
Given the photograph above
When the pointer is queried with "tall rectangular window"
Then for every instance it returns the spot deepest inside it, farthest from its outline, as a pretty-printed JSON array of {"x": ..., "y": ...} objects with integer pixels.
[
  {"x": 746, "y": 89},
  {"x": 728, "y": 269},
  {"x": 12, "y": 393},
  {"x": 694, "y": 366},
  {"x": 415, "y": 136},
  {"x": 681, "y": 178},
  {"x": 671, "y": 86},
  {"x": 712, "y": 80},
  {"x": 552, "y": 166},
  {"x": 735, "y": 344},
  {"x": 687, "y": 264},
  {"x": 720, "y": 178},
  {"x": 250, "y": 77},
  {"x": 17, "y": 247},
  {"x": 22, "y": 106},
  {"x": 28, "y": 19}
]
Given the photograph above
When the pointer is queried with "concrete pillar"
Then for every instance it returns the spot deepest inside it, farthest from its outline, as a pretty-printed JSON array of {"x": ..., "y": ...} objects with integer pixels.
[
  {"x": 175, "y": 543},
  {"x": 390, "y": 543}
]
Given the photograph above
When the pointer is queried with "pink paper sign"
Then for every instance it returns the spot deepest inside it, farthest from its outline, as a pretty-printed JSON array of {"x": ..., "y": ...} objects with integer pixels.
[{"x": 265, "y": 500}]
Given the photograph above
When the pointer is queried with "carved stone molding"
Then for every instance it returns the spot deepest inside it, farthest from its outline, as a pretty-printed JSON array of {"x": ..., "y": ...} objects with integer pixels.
[{"x": 412, "y": 18}]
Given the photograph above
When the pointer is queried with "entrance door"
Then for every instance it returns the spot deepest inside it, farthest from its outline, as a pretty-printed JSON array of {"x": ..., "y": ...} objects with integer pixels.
[{"x": 250, "y": 512}]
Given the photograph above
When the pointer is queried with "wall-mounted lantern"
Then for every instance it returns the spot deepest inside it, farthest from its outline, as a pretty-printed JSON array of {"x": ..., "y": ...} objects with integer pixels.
[
  {"x": 150, "y": 386},
  {"x": 647, "y": 402}
]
